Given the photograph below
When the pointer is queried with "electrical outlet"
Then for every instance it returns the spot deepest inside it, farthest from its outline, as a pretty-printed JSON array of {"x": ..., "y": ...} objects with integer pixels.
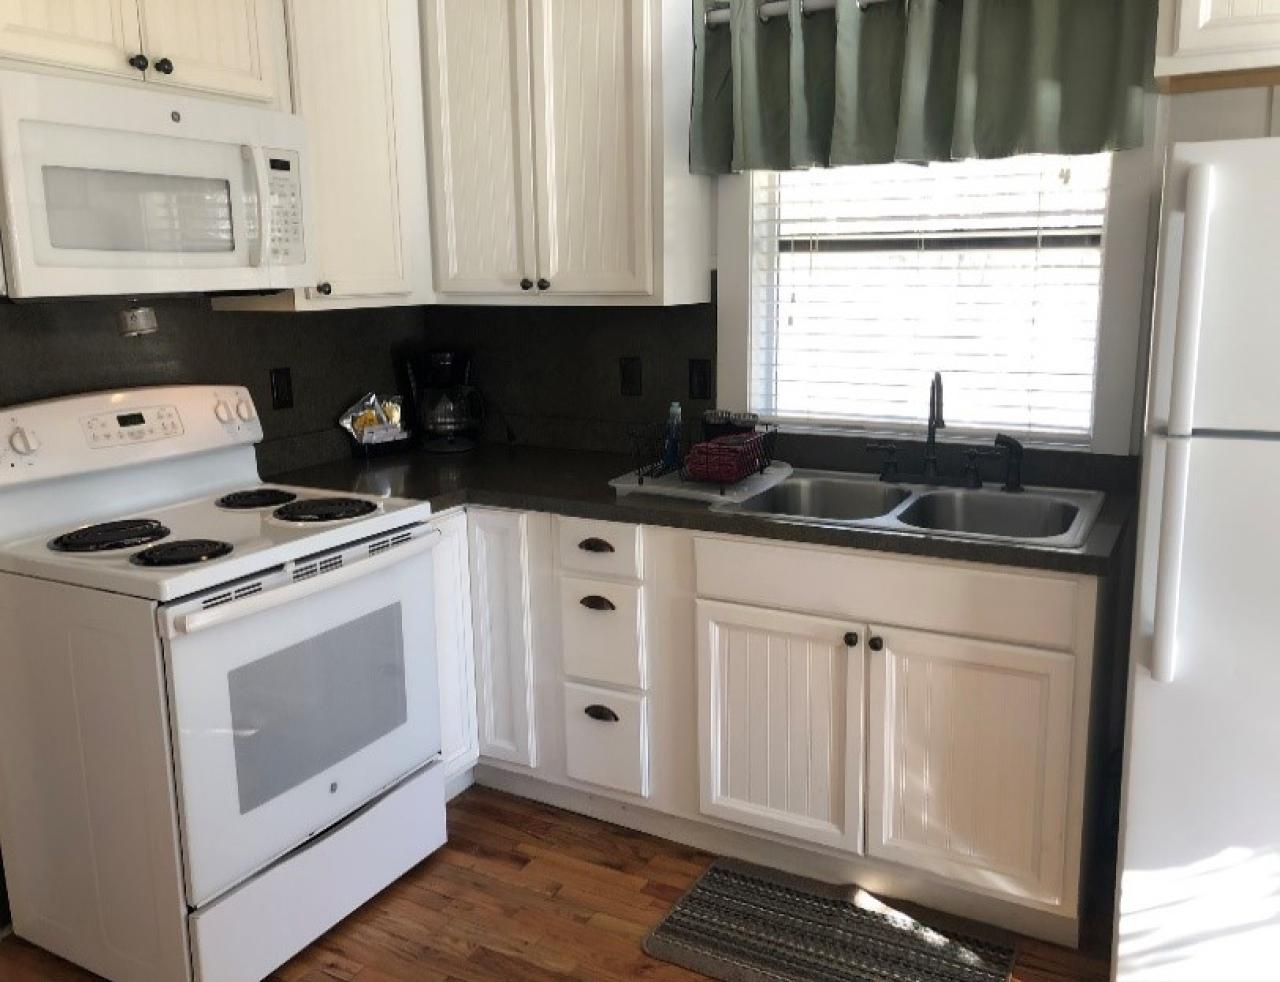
[
  {"x": 630, "y": 376},
  {"x": 700, "y": 378},
  {"x": 281, "y": 388}
]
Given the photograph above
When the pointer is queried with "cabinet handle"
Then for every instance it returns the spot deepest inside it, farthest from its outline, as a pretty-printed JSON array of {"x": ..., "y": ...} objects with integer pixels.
[
  {"x": 544, "y": 284},
  {"x": 526, "y": 284},
  {"x": 140, "y": 62},
  {"x": 876, "y": 643},
  {"x": 164, "y": 66},
  {"x": 324, "y": 289},
  {"x": 851, "y": 639},
  {"x": 595, "y": 545},
  {"x": 600, "y": 713},
  {"x": 597, "y": 602}
]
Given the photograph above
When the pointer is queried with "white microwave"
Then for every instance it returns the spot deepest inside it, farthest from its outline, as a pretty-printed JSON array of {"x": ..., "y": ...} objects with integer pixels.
[{"x": 109, "y": 191}]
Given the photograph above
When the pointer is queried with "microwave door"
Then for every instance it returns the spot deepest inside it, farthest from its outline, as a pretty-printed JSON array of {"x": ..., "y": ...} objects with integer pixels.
[{"x": 105, "y": 211}]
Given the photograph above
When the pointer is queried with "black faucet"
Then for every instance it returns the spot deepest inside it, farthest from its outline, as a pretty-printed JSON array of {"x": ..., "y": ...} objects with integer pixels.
[
  {"x": 936, "y": 423},
  {"x": 1013, "y": 461}
]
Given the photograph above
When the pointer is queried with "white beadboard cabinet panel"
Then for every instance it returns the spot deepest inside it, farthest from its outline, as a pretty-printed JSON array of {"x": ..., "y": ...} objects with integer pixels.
[
  {"x": 503, "y": 635},
  {"x": 592, "y": 137},
  {"x": 92, "y": 35},
  {"x": 454, "y": 650},
  {"x": 226, "y": 47},
  {"x": 969, "y": 762},
  {"x": 1203, "y": 36},
  {"x": 481, "y": 145},
  {"x": 780, "y": 722}
]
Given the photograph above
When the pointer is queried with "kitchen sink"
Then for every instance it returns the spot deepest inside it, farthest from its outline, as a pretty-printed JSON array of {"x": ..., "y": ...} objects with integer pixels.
[
  {"x": 812, "y": 495},
  {"x": 1039, "y": 516},
  {"x": 1014, "y": 516}
]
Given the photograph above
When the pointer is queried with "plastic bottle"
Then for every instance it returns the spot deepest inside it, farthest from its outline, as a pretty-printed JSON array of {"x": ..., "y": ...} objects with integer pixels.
[{"x": 671, "y": 439}]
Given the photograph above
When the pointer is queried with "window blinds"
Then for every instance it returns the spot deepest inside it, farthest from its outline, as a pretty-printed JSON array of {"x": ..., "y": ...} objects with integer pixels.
[{"x": 867, "y": 280}]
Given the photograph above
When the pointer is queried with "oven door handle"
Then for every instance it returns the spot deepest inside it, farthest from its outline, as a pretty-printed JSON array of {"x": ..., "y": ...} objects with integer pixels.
[{"x": 203, "y": 620}]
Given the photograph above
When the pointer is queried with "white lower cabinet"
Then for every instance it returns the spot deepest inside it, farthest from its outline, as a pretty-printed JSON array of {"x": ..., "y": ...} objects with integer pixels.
[
  {"x": 503, "y": 628},
  {"x": 780, "y": 722},
  {"x": 969, "y": 760},
  {"x": 454, "y": 650},
  {"x": 607, "y": 738}
]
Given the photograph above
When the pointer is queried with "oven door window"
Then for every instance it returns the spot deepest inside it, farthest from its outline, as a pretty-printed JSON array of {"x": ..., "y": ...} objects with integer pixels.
[{"x": 298, "y": 712}]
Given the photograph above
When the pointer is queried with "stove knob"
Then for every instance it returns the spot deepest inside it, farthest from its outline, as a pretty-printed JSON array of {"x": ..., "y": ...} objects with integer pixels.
[
  {"x": 222, "y": 409},
  {"x": 23, "y": 441},
  {"x": 244, "y": 409}
]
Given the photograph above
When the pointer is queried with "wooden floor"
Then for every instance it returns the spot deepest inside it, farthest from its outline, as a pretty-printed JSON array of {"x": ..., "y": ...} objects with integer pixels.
[{"x": 522, "y": 891}]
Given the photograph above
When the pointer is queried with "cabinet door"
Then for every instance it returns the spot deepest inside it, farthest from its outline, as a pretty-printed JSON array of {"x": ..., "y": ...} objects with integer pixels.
[
  {"x": 97, "y": 35},
  {"x": 500, "y": 617},
  {"x": 780, "y": 722},
  {"x": 454, "y": 654},
  {"x": 357, "y": 82},
  {"x": 481, "y": 144},
  {"x": 969, "y": 760},
  {"x": 591, "y": 89},
  {"x": 1228, "y": 26},
  {"x": 224, "y": 47}
]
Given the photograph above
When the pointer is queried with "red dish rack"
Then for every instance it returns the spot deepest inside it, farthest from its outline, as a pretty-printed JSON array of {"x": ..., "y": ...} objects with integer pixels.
[{"x": 728, "y": 459}]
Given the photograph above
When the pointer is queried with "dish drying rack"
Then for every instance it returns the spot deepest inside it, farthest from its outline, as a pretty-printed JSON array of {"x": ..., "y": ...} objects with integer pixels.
[{"x": 730, "y": 464}]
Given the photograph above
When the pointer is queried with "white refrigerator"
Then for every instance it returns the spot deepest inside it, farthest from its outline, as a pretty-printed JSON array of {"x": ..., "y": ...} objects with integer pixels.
[{"x": 1199, "y": 886}]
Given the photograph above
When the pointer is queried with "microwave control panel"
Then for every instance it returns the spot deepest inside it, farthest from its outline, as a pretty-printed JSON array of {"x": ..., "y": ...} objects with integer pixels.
[{"x": 286, "y": 245}]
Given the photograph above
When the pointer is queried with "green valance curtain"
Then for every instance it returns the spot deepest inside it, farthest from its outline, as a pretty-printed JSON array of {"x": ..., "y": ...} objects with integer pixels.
[{"x": 916, "y": 80}]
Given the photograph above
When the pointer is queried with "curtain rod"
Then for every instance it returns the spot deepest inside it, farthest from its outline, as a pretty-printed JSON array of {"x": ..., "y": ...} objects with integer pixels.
[{"x": 772, "y": 8}]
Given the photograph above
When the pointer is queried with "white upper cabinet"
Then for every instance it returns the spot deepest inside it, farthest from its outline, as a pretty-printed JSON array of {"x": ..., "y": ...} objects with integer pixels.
[
  {"x": 559, "y": 146},
  {"x": 481, "y": 138},
  {"x": 94, "y": 35},
  {"x": 227, "y": 48},
  {"x": 969, "y": 762},
  {"x": 592, "y": 137},
  {"x": 356, "y": 80},
  {"x": 1202, "y": 36},
  {"x": 222, "y": 46}
]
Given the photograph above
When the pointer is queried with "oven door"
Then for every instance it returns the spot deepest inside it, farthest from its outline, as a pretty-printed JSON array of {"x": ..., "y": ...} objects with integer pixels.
[{"x": 295, "y": 705}]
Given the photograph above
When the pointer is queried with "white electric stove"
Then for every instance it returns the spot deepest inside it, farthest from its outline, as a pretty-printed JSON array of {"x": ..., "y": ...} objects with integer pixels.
[{"x": 219, "y": 718}]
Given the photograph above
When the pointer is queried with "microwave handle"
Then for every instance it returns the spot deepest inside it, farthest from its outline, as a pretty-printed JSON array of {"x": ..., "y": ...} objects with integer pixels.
[
  {"x": 257, "y": 158},
  {"x": 203, "y": 620}
]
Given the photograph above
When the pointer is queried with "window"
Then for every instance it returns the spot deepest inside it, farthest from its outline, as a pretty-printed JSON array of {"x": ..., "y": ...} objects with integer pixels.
[{"x": 867, "y": 280}]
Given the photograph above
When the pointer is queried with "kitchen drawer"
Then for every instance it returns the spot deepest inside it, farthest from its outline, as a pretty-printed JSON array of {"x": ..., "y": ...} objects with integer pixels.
[
  {"x": 602, "y": 624},
  {"x": 599, "y": 548},
  {"x": 607, "y": 738},
  {"x": 931, "y": 595}
]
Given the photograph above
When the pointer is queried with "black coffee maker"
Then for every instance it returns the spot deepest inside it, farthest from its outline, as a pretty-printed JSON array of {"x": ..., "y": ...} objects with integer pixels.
[{"x": 446, "y": 409}]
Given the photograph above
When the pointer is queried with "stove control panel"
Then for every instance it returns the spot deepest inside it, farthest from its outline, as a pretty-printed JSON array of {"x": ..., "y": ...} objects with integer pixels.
[{"x": 115, "y": 429}]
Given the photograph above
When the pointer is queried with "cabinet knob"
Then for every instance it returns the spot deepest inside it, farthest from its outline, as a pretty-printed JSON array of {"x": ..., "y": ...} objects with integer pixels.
[
  {"x": 140, "y": 62},
  {"x": 597, "y": 602},
  {"x": 595, "y": 545},
  {"x": 876, "y": 643},
  {"x": 164, "y": 66},
  {"x": 601, "y": 713},
  {"x": 526, "y": 284},
  {"x": 544, "y": 284},
  {"x": 324, "y": 289},
  {"x": 851, "y": 639}
]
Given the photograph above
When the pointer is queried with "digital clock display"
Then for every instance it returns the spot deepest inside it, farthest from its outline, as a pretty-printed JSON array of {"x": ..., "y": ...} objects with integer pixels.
[{"x": 131, "y": 419}]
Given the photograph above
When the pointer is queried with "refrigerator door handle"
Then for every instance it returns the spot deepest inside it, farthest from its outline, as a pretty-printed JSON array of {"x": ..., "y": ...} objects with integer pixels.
[
  {"x": 1164, "y": 652},
  {"x": 1191, "y": 280}
]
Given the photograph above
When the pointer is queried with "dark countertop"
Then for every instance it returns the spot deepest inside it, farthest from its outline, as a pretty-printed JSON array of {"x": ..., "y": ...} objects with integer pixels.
[{"x": 575, "y": 483}]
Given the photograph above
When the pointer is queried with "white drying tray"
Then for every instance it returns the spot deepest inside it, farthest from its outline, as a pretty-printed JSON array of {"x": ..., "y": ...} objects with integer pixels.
[{"x": 673, "y": 486}]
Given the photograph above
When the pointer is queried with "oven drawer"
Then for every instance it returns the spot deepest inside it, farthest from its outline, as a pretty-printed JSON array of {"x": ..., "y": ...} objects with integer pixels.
[
  {"x": 607, "y": 738},
  {"x": 603, "y": 631},
  {"x": 261, "y": 924},
  {"x": 599, "y": 548}
]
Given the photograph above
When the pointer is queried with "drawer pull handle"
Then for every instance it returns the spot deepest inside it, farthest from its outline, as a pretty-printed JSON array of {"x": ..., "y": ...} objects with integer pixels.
[
  {"x": 602, "y": 714},
  {"x": 597, "y": 602},
  {"x": 595, "y": 545}
]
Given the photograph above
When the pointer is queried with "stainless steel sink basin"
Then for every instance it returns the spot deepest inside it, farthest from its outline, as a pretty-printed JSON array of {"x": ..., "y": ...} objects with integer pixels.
[
  {"x": 813, "y": 495},
  {"x": 1013, "y": 516},
  {"x": 1038, "y": 516}
]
